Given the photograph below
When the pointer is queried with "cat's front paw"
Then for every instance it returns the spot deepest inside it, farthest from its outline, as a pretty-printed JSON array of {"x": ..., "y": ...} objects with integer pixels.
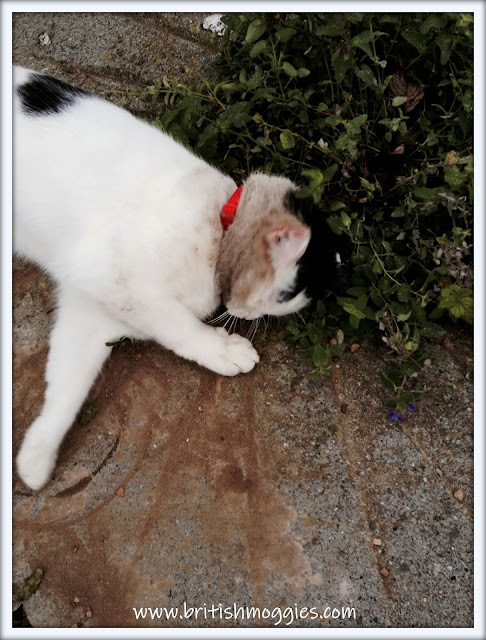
[
  {"x": 236, "y": 355},
  {"x": 35, "y": 461}
]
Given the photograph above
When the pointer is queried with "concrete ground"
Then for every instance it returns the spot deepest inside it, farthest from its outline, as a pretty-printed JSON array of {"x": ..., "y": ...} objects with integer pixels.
[{"x": 268, "y": 489}]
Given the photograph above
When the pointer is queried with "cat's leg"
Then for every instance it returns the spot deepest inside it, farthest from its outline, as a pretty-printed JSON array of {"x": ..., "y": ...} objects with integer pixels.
[
  {"x": 77, "y": 352},
  {"x": 178, "y": 329}
]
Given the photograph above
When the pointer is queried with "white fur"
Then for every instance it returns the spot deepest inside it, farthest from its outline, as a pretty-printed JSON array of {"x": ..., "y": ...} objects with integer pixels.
[{"x": 127, "y": 222}]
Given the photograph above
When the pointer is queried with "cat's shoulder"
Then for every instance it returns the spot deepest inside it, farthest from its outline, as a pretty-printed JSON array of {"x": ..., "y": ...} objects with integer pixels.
[{"x": 39, "y": 94}]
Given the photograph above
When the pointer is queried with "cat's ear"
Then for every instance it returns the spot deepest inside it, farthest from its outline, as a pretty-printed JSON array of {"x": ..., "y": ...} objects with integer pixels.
[{"x": 286, "y": 244}]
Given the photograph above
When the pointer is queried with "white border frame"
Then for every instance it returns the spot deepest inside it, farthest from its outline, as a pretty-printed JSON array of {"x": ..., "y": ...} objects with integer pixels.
[{"x": 395, "y": 6}]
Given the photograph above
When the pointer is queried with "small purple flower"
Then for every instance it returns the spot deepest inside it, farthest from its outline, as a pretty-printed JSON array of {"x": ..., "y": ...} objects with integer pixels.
[
  {"x": 411, "y": 407},
  {"x": 393, "y": 415},
  {"x": 401, "y": 418}
]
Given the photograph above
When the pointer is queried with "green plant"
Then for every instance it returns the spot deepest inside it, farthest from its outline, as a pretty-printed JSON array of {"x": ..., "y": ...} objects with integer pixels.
[{"x": 371, "y": 114}]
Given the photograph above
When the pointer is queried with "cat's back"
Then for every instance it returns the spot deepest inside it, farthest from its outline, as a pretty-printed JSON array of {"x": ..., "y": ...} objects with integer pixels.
[
  {"x": 70, "y": 136},
  {"x": 82, "y": 164}
]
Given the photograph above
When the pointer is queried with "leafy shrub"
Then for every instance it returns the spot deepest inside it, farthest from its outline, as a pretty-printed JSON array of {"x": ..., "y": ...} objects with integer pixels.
[{"x": 371, "y": 114}]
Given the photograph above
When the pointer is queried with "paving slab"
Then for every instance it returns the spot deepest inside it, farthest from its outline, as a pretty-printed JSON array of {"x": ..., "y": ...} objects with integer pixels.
[
  {"x": 115, "y": 54},
  {"x": 267, "y": 490}
]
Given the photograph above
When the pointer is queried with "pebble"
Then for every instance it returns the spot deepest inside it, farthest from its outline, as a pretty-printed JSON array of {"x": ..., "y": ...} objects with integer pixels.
[
  {"x": 384, "y": 572},
  {"x": 377, "y": 542},
  {"x": 355, "y": 347},
  {"x": 459, "y": 495},
  {"x": 120, "y": 492}
]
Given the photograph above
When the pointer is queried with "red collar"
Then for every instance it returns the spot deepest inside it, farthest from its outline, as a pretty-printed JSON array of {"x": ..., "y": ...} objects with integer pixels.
[{"x": 229, "y": 209}]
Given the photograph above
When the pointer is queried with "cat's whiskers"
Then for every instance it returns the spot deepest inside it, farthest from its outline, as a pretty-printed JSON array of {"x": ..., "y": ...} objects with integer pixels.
[
  {"x": 253, "y": 329},
  {"x": 257, "y": 327},
  {"x": 266, "y": 322},
  {"x": 250, "y": 329},
  {"x": 219, "y": 318},
  {"x": 229, "y": 319}
]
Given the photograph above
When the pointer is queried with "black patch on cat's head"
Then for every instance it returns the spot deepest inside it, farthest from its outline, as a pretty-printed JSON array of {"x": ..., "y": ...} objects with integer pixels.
[
  {"x": 317, "y": 267},
  {"x": 43, "y": 95}
]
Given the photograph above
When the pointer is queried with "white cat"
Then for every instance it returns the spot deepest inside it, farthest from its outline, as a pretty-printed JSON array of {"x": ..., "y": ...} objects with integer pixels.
[{"x": 127, "y": 222}]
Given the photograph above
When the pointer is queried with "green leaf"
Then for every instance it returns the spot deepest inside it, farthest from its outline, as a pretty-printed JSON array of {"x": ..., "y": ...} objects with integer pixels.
[
  {"x": 328, "y": 174},
  {"x": 315, "y": 333},
  {"x": 367, "y": 185},
  {"x": 366, "y": 75},
  {"x": 445, "y": 43},
  {"x": 88, "y": 413},
  {"x": 396, "y": 375},
  {"x": 468, "y": 101},
  {"x": 287, "y": 139},
  {"x": 303, "y": 72},
  {"x": 407, "y": 397},
  {"x": 347, "y": 142},
  {"x": 386, "y": 382},
  {"x": 403, "y": 317},
  {"x": 333, "y": 120},
  {"x": 356, "y": 291},
  {"x": 458, "y": 301},
  {"x": 336, "y": 224},
  {"x": 346, "y": 220},
  {"x": 255, "y": 30},
  {"x": 354, "y": 125},
  {"x": 316, "y": 177},
  {"x": 336, "y": 349},
  {"x": 284, "y": 35},
  {"x": 336, "y": 206},
  {"x": 236, "y": 115},
  {"x": 424, "y": 193},
  {"x": 453, "y": 178},
  {"x": 436, "y": 21},
  {"x": 208, "y": 141},
  {"x": 320, "y": 357},
  {"x": 431, "y": 330},
  {"x": 410, "y": 367},
  {"x": 364, "y": 38},
  {"x": 353, "y": 310},
  {"x": 258, "y": 48},
  {"x": 30, "y": 585},
  {"x": 417, "y": 39},
  {"x": 332, "y": 28},
  {"x": 399, "y": 100},
  {"x": 289, "y": 70},
  {"x": 341, "y": 63}
]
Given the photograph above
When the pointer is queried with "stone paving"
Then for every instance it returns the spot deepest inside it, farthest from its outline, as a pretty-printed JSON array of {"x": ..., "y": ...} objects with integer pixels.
[{"x": 268, "y": 489}]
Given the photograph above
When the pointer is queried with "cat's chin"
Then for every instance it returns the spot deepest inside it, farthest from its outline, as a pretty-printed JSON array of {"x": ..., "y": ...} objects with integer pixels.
[{"x": 242, "y": 315}]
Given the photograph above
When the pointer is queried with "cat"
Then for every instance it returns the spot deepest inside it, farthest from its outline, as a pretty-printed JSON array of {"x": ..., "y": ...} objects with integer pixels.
[{"x": 128, "y": 223}]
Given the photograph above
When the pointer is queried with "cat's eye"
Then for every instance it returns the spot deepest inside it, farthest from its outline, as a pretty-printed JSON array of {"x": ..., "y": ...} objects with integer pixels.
[{"x": 286, "y": 295}]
